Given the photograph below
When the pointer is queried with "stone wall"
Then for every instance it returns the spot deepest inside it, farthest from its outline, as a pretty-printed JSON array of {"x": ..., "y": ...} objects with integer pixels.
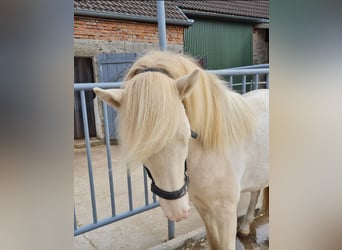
[{"x": 260, "y": 46}]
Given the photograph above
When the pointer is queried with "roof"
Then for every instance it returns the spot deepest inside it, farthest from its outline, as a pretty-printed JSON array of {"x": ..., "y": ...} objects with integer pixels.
[
  {"x": 175, "y": 11},
  {"x": 248, "y": 8},
  {"x": 139, "y": 10}
]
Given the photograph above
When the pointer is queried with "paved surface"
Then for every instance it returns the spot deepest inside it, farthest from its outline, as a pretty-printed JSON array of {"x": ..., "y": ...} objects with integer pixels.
[
  {"x": 257, "y": 240},
  {"x": 141, "y": 231}
]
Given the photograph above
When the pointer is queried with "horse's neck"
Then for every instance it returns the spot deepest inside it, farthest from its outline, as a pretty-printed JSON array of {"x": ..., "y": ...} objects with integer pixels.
[{"x": 222, "y": 118}]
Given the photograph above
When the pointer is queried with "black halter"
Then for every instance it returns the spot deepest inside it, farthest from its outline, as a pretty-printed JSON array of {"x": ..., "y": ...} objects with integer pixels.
[
  {"x": 173, "y": 195},
  {"x": 160, "y": 70}
]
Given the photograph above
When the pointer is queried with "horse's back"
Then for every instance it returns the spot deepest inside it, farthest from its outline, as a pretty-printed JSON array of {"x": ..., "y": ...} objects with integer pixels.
[
  {"x": 255, "y": 174},
  {"x": 260, "y": 98}
]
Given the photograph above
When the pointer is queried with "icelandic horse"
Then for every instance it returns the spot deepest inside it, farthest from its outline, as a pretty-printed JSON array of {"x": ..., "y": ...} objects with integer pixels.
[{"x": 196, "y": 138}]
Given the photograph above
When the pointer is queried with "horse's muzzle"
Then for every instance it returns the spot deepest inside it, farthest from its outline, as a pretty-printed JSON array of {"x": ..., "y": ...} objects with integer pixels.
[{"x": 176, "y": 210}]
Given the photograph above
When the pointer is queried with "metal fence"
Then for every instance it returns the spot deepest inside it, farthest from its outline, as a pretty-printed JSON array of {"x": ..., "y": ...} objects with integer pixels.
[{"x": 254, "y": 72}]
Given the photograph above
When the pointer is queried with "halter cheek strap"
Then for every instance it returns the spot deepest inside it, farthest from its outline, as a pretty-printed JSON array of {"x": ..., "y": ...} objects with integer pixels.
[
  {"x": 173, "y": 195},
  {"x": 194, "y": 135}
]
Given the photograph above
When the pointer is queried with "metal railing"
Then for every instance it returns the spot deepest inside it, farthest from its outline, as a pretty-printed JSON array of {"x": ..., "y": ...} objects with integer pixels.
[
  {"x": 255, "y": 71},
  {"x": 82, "y": 87}
]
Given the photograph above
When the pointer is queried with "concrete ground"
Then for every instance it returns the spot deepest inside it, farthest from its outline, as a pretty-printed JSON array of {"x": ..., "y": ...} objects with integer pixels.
[
  {"x": 257, "y": 240},
  {"x": 142, "y": 231}
]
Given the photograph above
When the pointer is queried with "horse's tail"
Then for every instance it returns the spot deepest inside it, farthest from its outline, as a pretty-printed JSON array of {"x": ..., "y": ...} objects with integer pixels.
[{"x": 266, "y": 201}]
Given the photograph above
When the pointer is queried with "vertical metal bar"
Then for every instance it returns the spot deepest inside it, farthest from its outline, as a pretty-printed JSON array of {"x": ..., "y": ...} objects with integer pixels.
[
  {"x": 154, "y": 197},
  {"x": 256, "y": 81},
  {"x": 243, "y": 84},
  {"x": 145, "y": 187},
  {"x": 90, "y": 167},
  {"x": 75, "y": 225},
  {"x": 267, "y": 80},
  {"x": 252, "y": 83},
  {"x": 109, "y": 158},
  {"x": 171, "y": 229},
  {"x": 231, "y": 81},
  {"x": 161, "y": 25},
  {"x": 130, "y": 195}
]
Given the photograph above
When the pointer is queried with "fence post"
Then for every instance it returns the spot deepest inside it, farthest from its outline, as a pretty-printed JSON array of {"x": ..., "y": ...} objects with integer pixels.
[
  {"x": 171, "y": 229},
  {"x": 161, "y": 25},
  {"x": 90, "y": 164}
]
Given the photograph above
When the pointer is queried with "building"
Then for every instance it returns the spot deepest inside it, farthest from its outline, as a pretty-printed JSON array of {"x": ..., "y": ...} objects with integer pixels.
[
  {"x": 109, "y": 35},
  {"x": 227, "y": 34}
]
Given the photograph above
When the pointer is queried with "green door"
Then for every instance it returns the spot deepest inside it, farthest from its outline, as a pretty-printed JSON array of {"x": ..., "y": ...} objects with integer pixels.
[{"x": 220, "y": 44}]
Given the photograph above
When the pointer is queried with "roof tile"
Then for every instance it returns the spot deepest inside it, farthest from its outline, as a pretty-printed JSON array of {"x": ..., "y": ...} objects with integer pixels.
[
  {"x": 136, "y": 8},
  {"x": 247, "y": 8}
]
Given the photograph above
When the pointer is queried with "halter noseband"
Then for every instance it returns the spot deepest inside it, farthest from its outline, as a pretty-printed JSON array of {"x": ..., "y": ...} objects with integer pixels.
[{"x": 173, "y": 195}]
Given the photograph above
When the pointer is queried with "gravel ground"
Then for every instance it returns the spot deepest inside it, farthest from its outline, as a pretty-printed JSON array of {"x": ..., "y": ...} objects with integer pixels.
[{"x": 257, "y": 240}]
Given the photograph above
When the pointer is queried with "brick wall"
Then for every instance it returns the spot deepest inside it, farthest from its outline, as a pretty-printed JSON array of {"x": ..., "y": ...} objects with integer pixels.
[{"x": 117, "y": 30}]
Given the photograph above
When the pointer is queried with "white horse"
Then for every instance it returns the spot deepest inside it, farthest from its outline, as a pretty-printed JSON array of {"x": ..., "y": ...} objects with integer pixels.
[{"x": 164, "y": 99}]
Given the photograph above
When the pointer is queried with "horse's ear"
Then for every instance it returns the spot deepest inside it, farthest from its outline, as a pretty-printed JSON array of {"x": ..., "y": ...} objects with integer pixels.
[
  {"x": 186, "y": 83},
  {"x": 112, "y": 96}
]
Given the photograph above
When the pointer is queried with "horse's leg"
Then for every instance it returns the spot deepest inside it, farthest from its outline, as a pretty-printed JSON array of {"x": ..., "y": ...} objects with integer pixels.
[
  {"x": 210, "y": 226},
  {"x": 227, "y": 224},
  {"x": 266, "y": 201},
  {"x": 215, "y": 192},
  {"x": 244, "y": 228},
  {"x": 220, "y": 226}
]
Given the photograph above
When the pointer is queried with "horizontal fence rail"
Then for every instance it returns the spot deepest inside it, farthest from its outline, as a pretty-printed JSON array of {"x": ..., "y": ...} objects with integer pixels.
[{"x": 254, "y": 72}]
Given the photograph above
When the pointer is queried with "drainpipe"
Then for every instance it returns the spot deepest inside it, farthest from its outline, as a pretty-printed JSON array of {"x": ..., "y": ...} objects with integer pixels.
[{"x": 161, "y": 25}]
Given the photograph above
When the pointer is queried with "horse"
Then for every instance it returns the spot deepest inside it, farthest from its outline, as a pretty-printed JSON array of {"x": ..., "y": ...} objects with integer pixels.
[{"x": 197, "y": 138}]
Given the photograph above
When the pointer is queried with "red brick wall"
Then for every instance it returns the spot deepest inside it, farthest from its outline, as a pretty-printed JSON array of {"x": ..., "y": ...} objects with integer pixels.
[{"x": 120, "y": 30}]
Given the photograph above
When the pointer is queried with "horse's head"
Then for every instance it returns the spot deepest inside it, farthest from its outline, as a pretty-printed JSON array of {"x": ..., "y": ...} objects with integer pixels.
[{"x": 154, "y": 129}]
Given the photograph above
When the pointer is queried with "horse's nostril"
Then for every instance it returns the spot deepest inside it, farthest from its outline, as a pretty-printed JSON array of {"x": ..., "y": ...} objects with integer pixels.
[{"x": 186, "y": 213}]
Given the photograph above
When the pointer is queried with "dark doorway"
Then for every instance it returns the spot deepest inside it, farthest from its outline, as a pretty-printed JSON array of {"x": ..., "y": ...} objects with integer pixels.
[{"x": 83, "y": 73}]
